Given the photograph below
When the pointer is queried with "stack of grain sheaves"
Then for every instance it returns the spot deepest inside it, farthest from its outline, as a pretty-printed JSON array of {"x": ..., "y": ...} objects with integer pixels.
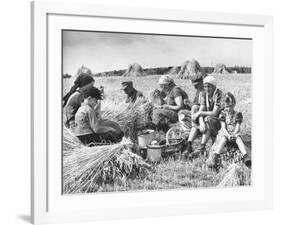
[
  {"x": 191, "y": 69},
  {"x": 131, "y": 117},
  {"x": 86, "y": 169},
  {"x": 237, "y": 174}
]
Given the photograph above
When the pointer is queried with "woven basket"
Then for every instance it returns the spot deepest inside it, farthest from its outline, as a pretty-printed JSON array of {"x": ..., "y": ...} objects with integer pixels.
[{"x": 173, "y": 146}]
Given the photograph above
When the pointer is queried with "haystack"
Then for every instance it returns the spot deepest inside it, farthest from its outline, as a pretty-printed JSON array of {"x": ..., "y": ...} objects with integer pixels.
[
  {"x": 134, "y": 70},
  {"x": 175, "y": 70},
  {"x": 191, "y": 69},
  {"x": 82, "y": 69},
  {"x": 220, "y": 69}
]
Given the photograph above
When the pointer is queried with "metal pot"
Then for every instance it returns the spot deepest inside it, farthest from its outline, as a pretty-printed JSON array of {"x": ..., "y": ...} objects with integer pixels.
[
  {"x": 146, "y": 137},
  {"x": 154, "y": 153}
]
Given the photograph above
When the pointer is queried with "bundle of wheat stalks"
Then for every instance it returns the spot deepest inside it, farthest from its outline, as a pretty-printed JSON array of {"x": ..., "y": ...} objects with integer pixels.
[
  {"x": 70, "y": 142},
  {"x": 124, "y": 113},
  {"x": 85, "y": 168},
  {"x": 124, "y": 165},
  {"x": 237, "y": 175},
  {"x": 131, "y": 117}
]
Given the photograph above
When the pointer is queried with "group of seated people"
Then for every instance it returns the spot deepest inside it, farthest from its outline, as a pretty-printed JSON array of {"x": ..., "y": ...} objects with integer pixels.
[
  {"x": 83, "y": 116},
  {"x": 212, "y": 115}
]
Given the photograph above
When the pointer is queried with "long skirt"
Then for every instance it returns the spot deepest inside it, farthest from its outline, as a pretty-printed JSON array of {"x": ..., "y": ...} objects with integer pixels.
[{"x": 164, "y": 116}]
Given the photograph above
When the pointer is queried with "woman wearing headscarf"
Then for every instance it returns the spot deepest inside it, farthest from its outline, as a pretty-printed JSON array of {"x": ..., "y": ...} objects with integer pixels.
[
  {"x": 72, "y": 100},
  {"x": 81, "y": 81},
  {"x": 206, "y": 116},
  {"x": 174, "y": 100}
]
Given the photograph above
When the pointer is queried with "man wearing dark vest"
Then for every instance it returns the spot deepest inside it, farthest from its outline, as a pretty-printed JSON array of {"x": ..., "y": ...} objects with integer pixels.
[{"x": 131, "y": 92}]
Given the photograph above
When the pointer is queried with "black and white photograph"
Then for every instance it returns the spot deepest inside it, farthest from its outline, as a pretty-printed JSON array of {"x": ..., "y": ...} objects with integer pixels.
[{"x": 150, "y": 112}]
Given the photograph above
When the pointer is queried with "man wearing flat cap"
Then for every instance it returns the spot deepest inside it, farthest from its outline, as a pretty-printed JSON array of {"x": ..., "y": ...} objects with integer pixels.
[{"x": 131, "y": 92}]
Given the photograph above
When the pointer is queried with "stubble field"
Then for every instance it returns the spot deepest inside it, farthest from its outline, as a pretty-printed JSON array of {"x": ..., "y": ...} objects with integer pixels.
[{"x": 177, "y": 172}]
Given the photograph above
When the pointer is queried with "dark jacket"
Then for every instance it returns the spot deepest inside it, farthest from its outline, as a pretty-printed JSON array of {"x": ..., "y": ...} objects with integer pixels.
[{"x": 133, "y": 96}]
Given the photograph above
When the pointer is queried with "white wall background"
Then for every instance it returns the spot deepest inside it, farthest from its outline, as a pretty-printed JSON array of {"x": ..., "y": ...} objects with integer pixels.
[{"x": 15, "y": 109}]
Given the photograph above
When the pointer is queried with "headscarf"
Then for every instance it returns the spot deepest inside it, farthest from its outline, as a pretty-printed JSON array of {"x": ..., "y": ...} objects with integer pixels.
[
  {"x": 210, "y": 80},
  {"x": 81, "y": 81},
  {"x": 166, "y": 79}
]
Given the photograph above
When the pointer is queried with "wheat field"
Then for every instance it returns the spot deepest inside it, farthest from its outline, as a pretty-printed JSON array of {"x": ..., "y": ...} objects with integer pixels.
[{"x": 175, "y": 172}]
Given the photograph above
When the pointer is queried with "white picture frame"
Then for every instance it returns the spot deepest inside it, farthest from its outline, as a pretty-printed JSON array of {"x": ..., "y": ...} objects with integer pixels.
[{"x": 46, "y": 204}]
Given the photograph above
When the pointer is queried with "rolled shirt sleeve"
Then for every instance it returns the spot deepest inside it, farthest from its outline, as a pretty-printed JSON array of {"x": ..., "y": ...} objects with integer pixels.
[
  {"x": 176, "y": 92},
  {"x": 212, "y": 101}
]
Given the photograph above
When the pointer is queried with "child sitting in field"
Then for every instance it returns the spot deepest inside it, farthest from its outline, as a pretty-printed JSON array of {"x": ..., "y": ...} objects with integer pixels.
[
  {"x": 230, "y": 133},
  {"x": 89, "y": 127}
]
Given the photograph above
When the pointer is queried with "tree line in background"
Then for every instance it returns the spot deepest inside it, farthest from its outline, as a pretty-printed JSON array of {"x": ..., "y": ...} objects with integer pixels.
[{"x": 166, "y": 70}]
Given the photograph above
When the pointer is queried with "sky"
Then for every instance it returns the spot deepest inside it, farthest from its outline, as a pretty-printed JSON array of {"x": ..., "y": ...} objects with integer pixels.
[{"x": 113, "y": 51}]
